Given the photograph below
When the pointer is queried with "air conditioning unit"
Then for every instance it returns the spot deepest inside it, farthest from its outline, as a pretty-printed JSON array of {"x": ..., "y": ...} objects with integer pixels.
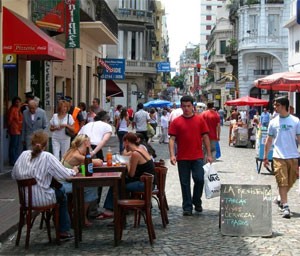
[{"x": 263, "y": 91}]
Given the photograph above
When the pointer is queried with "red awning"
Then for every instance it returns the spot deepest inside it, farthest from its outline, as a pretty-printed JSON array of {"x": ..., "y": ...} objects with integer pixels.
[
  {"x": 22, "y": 37},
  {"x": 113, "y": 90}
]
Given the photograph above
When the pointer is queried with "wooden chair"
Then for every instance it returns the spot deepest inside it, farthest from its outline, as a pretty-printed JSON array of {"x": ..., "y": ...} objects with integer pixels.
[
  {"x": 142, "y": 206},
  {"x": 159, "y": 194},
  {"x": 28, "y": 213}
]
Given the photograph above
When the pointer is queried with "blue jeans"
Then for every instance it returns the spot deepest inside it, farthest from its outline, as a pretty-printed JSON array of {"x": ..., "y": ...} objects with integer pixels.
[
  {"x": 185, "y": 169},
  {"x": 120, "y": 136},
  {"x": 14, "y": 148},
  {"x": 135, "y": 186},
  {"x": 64, "y": 218}
]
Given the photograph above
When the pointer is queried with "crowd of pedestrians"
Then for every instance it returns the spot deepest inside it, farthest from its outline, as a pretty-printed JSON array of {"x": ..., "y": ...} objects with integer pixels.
[{"x": 192, "y": 137}]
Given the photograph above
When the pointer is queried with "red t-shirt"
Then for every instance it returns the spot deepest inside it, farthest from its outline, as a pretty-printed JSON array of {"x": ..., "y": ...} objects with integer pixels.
[
  {"x": 130, "y": 112},
  {"x": 212, "y": 119},
  {"x": 188, "y": 132}
]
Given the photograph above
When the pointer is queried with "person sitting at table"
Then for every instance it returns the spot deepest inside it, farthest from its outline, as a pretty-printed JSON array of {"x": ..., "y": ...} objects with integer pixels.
[
  {"x": 43, "y": 166},
  {"x": 140, "y": 162},
  {"x": 75, "y": 157},
  {"x": 143, "y": 144}
]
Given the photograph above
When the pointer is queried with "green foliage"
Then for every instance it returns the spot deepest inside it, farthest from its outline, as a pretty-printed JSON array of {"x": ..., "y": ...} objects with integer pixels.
[{"x": 178, "y": 81}]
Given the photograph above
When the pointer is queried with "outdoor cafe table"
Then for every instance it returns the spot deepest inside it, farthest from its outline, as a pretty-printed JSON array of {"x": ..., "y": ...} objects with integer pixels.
[{"x": 111, "y": 179}]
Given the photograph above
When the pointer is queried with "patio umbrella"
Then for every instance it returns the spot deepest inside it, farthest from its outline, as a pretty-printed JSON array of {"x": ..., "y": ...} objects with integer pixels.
[
  {"x": 285, "y": 81},
  {"x": 157, "y": 104},
  {"x": 247, "y": 101}
]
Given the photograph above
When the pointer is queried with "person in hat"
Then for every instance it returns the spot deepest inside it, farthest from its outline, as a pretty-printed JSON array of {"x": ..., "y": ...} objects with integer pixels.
[{"x": 76, "y": 114}]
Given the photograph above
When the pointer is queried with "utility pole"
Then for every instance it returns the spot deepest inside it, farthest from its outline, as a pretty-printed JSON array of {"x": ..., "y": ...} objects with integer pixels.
[{"x": 224, "y": 74}]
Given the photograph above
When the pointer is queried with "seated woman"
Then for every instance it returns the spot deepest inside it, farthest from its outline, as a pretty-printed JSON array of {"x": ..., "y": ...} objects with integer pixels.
[
  {"x": 140, "y": 162},
  {"x": 142, "y": 144},
  {"x": 75, "y": 157},
  {"x": 43, "y": 166}
]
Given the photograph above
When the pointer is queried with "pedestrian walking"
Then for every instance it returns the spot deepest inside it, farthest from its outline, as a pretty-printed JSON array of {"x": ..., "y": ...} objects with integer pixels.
[
  {"x": 189, "y": 130},
  {"x": 58, "y": 123},
  {"x": 212, "y": 119},
  {"x": 122, "y": 127},
  {"x": 140, "y": 120},
  {"x": 283, "y": 130},
  {"x": 164, "y": 122}
]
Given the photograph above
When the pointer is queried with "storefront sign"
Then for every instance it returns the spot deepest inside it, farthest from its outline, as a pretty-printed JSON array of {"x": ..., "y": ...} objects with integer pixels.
[
  {"x": 72, "y": 24},
  {"x": 9, "y": 60},
  {"x": 47, "y": 85},
  {"x": 114, "y": 69}
]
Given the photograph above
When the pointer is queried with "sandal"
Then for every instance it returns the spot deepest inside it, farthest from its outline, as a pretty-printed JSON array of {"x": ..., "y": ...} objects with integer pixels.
[{"x": 104, "y": 216}]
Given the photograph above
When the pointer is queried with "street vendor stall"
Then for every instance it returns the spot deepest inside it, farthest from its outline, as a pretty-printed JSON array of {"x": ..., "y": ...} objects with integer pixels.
[{"x": 240, "y": 133}]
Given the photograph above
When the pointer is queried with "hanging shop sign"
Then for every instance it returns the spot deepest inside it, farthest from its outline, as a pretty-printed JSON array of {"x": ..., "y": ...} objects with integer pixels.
[
  {"x": 113, "y": 69},
  {"x": 72, "y": 24}
]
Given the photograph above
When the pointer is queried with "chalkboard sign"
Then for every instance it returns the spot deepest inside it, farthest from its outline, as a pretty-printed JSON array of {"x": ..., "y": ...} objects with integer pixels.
[{"x": 246, "y": 210}]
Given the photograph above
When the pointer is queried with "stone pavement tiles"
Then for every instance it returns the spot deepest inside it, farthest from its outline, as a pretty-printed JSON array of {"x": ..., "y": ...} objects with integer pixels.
[{"x": 185, "y": 235}]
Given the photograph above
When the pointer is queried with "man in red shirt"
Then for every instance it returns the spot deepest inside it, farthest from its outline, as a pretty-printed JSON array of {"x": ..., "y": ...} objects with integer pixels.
[
  {"x": 130, "y": 113},
  {"x": 212, "y": 119},
  {"x": 189, "y": 130}
]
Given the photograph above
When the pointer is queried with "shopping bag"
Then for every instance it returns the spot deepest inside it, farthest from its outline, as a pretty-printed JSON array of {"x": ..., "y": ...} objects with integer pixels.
[
  {"x": 150, "y": 131},
  {"x": 212, "y": 183}
]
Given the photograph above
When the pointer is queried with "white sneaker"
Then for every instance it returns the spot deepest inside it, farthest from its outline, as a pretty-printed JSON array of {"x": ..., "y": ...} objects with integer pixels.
[{"x": 286, "y": 213}]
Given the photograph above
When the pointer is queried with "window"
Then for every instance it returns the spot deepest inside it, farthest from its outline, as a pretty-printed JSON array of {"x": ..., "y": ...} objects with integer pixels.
[
  {"x": 264, "y": 63},
  {"x": 273, "y": 25},
  {"x": 207, "y": 37},
  {"x": 208, "y": 7},
  {"x": 208, "y": 27},
  {"x": 208, "y": 17},
  {"x": 222, "y": 46},
  {"x": 88, "y": 84},
  {"x": 253, "y": 25},
  {"x": 297, "y": 46},
  {"x": 222, "y": 70}
]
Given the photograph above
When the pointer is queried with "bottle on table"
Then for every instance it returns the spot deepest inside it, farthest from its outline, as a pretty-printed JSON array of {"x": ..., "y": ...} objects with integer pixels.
[
  {"x": 109, "y": 157},
  {"x": 88, "y": 163}
]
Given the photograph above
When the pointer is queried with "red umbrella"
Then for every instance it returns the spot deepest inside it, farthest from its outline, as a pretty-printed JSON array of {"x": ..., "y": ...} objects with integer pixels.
[
  {"x": 247, "y": 101},
  {"x": 285, "y": 81}
]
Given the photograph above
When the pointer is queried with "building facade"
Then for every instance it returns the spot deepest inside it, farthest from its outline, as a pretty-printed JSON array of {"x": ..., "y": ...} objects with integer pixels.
[{"x": 42, "y": 64}]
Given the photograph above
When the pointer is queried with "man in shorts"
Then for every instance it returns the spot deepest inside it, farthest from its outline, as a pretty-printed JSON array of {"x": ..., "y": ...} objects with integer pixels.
[{"x": 283, "y": 129}]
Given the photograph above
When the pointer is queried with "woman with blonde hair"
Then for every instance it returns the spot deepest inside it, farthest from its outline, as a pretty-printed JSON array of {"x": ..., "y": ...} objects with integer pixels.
[
  {"x": 58, "y": 124},
  {"x": 43, "y": 166},
  {"x": 75, "y": 157}
]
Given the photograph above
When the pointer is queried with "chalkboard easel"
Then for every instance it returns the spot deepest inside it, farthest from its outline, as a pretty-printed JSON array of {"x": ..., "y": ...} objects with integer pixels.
[{"x": 246, "y": 210}]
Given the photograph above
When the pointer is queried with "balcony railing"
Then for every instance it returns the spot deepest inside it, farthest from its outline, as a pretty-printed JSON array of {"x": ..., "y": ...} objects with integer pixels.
[
  {"x": 105, "y": 14},
  {"x": 262, "y": 72},
  {"x": 141, "y": 66},
  {"x": 249, "y": 42},
  {"x": 135, "y": 15}
]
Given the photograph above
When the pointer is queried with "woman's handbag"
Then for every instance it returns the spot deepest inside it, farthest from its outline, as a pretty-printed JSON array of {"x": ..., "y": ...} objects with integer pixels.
[
  {"x": 212, "y": 183},
  {"x": 69, "y": 132},
  {"x": 150, "y": 131}
]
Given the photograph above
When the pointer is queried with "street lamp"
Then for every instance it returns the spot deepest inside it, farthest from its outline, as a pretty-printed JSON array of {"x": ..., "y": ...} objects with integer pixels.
[{"x": 224, "y": 74}]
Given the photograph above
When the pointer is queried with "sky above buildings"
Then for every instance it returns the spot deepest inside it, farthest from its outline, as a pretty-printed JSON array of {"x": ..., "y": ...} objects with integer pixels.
[{"x": 183, "y": 23}]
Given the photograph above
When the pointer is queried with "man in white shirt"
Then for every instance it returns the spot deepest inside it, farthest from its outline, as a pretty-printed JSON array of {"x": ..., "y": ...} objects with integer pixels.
[
  {"x": 283, "y": 129},
  {"x": 140, "y": 120}
]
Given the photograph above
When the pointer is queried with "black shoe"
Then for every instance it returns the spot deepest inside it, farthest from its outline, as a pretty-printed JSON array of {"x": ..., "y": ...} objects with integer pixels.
[
  {"x": 187, "y": 213},
  {"x": 198, "y": 208},
  {"x": 66, "y": 237}
]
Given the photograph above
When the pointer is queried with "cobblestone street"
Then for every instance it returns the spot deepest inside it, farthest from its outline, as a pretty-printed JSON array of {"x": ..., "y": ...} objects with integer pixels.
[{"x": 185, "y": 235}]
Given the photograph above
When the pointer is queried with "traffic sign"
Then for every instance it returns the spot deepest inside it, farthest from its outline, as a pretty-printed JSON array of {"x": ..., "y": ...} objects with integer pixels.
[{"x": 163, "y": 67}]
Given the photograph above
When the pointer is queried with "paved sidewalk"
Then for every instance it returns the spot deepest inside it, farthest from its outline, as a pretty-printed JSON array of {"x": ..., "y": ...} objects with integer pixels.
[{"x": 195, "y": 235}]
